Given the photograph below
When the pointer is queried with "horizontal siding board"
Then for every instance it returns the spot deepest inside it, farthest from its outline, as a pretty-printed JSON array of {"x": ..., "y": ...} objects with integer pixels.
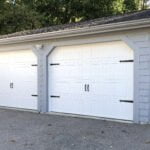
[
  {"x": 142, "y": 82},
  {"x": 144, "y": 89},
  {"x": 143, "y": 44},
  {"x": 144, "y": 119},
  {"x": 144, "y": 79},
  {"x": 145, "y": 49},
  {"x": 144, "y": 66},
  {"x": 144, "y": 106},
  {"x": 144, "y": 112},
  {"x": 144, "y": 86},
  {"x": 144, "y": 58},
  {"x": 144, "y": 72},
  {"x": 144, "y": 99},
  {"x": 144, "y": 75},
  {"x": 139, "y": 37}
]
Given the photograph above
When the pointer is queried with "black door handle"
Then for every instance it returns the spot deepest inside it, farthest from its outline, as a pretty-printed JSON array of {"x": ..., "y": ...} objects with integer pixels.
[
  {"x": 88, "y": 87},
  {"x": 11, "y": 85},
  {"x": 85, "y": 87}
]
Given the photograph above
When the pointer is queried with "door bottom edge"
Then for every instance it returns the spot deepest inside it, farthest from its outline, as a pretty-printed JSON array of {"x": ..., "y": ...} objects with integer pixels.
[
  {"x": 89, "y": 117},
  {"x": 19, "y": 109}
]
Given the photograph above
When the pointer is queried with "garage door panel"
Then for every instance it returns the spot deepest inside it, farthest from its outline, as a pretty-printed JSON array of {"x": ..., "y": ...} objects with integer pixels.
[
  {"x": 64, "y": 88},
  {"x": 65, "y": 54},
  {"x": 104, "y": 74},
  {"x": 16, "y": 68},
  {"x": 24, "y": 90},
  {"x": 58, "y": 87},
  {"x": 20, "y": 102},
  {"x": 97, "y": 89},
  {"x": 67, "y": 76},
  {"x": 110, "y": 107},
  {"x": 68, "y": 72},
  {"x": 67, "y": 103},
  {"x": 5, "y": 92},
  {"x": 99, "y": 67},
  {"x": 126, "y": 109},
  {"x": 25, "y": 79}
]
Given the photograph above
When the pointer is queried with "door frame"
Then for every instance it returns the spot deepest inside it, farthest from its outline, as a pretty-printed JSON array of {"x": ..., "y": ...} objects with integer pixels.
[{"x": 126, "y": 37}]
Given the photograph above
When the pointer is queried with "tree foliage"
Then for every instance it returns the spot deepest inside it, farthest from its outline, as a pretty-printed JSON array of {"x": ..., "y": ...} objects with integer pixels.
[
  {"x": 129, "y": 5},
  {"x": 66, "y": 11},
  {"x": 142, "y": 4},
  {"x": 18, "y": 15}
]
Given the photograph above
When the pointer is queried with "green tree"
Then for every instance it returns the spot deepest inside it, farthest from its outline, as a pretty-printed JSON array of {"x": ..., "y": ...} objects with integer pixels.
[
  {"x": 142, "y": 4},
  {"x": 18, "y": 15},
  {"x": 66, "y": 11},
  {"x": 96, "y": 8},
  {"x": 15, "y": 17},
  {"x": 118, "y": 6},
  {"x": 129, "y": 5}
]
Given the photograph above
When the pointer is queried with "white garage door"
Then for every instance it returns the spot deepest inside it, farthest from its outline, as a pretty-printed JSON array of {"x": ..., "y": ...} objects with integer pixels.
[
  {"x": 93, "y": 79},
  {"x": 18, "y": 79}
]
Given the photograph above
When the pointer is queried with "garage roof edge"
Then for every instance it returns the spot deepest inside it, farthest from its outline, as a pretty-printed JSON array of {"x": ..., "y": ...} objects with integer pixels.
[{"x": 104, "y": 28}]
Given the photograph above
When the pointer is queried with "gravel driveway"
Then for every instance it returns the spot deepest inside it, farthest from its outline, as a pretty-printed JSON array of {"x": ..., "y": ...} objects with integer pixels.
[{"x": 31, "y": 131}]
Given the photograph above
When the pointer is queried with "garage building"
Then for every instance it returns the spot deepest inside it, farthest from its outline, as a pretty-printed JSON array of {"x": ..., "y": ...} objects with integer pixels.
[{"x": 97, "y": 68}]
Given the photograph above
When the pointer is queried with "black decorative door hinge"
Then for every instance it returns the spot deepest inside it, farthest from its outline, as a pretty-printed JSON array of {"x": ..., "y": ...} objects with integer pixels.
[
  {"x": 54, "y": 64},
  {"x": 34, "y": 65},
  {"x": 126, "y": 61},
  {"x": 126, "y": 101},
  {"x": 34, "y": 95},
  {"x": 54, "y": 96}
]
